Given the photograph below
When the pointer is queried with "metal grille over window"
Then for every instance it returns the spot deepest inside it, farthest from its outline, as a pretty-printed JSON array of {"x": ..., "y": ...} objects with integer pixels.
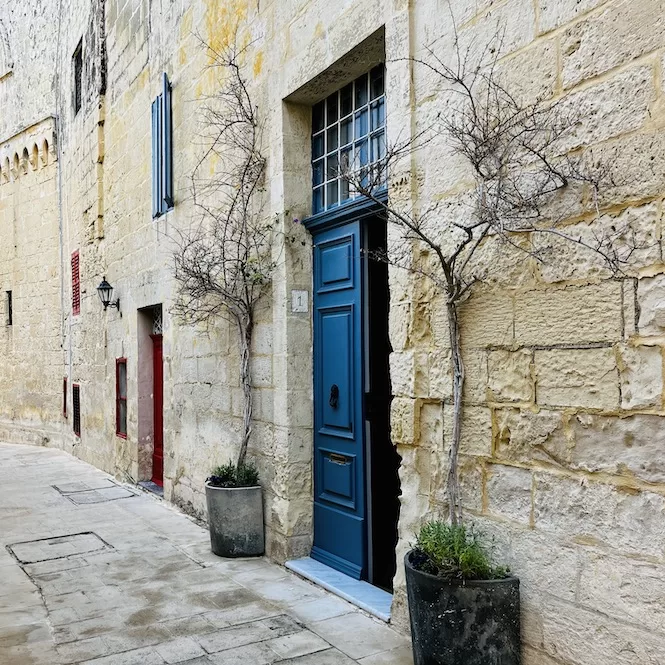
[
  {"x": 78, "y": 77},
  {"x": 76, "y": 284},
  {"x": 76, "y": 408},
  {"x": 121, "y": 397},
  {"x": 10, "y": 308},
  {"x": 157, "y": 322},
  {"x": 348, "y": 132}
]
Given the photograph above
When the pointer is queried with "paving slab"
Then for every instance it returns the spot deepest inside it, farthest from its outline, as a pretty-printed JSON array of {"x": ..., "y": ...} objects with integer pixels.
[{"x": 94, "y": 572}]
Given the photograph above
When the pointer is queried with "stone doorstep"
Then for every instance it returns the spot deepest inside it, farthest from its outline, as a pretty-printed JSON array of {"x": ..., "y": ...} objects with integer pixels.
[
  {"x": 151, "y": 487},
  {"x": 373, "y": 600}
]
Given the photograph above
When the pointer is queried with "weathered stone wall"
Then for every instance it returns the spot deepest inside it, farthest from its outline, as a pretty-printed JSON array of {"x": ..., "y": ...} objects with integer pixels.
[
  {"x": 31, "y": 400},
  {"x": 564, "y": 396},
  {"x": 31, "y": 369},
  {"x": 563, "y": 420}
]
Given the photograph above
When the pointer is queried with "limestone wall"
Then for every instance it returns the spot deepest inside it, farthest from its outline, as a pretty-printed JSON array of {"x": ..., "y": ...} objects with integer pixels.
[
  {"x": 564, "y": 396},
  {"x": 563, "y": 425},
  {"x": 31, "y": 394}
]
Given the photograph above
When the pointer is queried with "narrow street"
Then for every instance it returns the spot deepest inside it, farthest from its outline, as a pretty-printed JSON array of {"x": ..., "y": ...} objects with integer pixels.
[{"x": 94, "y": 572}]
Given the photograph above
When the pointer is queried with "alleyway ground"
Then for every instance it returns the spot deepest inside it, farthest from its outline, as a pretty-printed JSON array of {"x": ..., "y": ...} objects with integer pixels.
[{"x": 139, "y": 586}]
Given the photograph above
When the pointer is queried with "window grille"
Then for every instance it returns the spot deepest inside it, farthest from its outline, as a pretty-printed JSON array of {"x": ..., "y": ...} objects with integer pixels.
[
  {"x": 76, "y": 407},
  {"x": 157, "y": 321},
  {"x": 348, "y": 132},
  {"x": 10, "y": 309},
  {"x": 64, "y": 397},
  {"x": 162, "y": 151},
  {"x": 76, "y": 284},
  {"x": 121, "y": 397},
  {"x": 78, "y": 77}
]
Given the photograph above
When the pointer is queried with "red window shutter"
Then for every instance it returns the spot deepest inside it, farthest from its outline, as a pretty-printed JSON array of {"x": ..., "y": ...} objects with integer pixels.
[{"x": 76, "y": 284}]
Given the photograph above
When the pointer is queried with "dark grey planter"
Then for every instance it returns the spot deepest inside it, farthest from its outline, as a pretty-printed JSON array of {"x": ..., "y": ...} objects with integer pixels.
[
  {"x": 235, "y": 520},
  {"x": 475, "y": 623}
]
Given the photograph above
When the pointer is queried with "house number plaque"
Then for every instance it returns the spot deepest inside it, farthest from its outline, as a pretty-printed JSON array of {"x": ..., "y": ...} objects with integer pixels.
[{"x": 299, "y": 301}]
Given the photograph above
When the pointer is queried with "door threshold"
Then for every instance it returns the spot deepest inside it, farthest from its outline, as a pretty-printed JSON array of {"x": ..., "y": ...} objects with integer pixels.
[
  {"x": 373, "y": 600},
  {"x": 154, "y": 488}
]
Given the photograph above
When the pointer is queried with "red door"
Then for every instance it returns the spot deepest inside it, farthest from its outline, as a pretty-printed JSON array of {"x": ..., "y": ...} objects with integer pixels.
[{"x": 158, "y": 405}]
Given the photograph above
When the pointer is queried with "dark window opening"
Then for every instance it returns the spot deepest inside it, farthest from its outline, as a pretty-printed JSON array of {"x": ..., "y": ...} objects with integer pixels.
[
  {"x": 10, "y": 309},
  {"x": 121, "y": 397},
  {"x": 78, "y": 77},
  {"x": 76, "y": 406},
  {"x": 76, "y": 284},
  {"x": 64, "y": 397}
]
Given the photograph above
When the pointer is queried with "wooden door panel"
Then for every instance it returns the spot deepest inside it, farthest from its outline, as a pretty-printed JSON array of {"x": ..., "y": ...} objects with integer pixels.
[{"x": 339, "y": 463}]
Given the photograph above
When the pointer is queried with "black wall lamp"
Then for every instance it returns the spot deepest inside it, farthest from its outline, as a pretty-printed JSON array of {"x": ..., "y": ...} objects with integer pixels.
[{"x": 105, "y": 291}]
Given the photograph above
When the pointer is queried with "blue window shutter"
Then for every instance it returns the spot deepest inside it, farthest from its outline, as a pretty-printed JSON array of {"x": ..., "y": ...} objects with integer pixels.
[
  {"x": 155, "y": 163},
  {"x": 167, "y": 145},
  {"x": 160, "y": 156}
]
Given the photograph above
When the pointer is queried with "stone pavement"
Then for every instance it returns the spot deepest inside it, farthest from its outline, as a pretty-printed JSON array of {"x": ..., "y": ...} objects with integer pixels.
[{"x": 98, "y": 573}]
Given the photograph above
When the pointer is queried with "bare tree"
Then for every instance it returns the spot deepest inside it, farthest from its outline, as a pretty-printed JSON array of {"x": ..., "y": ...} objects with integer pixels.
[
  {"x": 224, "y": 261},
  {"x": 517, "y": 154}
]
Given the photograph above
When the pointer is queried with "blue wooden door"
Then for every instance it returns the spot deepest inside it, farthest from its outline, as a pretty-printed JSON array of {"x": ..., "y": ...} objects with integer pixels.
[{"x": 340, "y": 537}]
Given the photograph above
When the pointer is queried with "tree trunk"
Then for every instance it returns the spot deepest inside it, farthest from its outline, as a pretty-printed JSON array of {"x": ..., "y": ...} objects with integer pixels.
[
  {"x": 453, "y": 488},
  {"x": 245, "y": 329}
]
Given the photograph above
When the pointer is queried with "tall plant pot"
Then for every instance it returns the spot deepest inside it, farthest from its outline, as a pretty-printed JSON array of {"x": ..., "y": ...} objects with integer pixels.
[
  {"x": 475, "y": 623},
  {"x": 235, "y": 520}
]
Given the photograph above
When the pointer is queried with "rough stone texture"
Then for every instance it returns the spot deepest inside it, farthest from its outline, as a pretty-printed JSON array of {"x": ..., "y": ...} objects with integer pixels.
[
  {"x": 510, "y": 493},
  {"x": 641, "y": 375},
  {"x": 510, "y": 377},
  {"x": 590, "y": 513},
  {"x": 525, "y": 436},
  {"x": 637, "y": 245},
  {"x": 554, "y": 13},
  {"x": 543, "y": 317},
  {"x": 651, "y": 302},
  {"x": 619, "y": 34},
  {"x": 611, "y": 108},
  {"x": 476, "y": 433},
  {"x": 577, "y": 377},
  {"x": 623, "y": 588},
  {"x": 575, "y": 635},
  {"x": 635, "y": 442}
]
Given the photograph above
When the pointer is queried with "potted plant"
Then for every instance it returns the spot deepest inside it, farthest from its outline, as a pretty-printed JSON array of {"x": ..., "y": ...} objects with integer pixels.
[
  {"x": 235, "y": 510},
  {"x": 463, "y": 609}
]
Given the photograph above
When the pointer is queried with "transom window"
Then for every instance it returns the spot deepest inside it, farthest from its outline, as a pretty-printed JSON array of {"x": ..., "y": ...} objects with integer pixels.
[{"x": 348, "y": 132}]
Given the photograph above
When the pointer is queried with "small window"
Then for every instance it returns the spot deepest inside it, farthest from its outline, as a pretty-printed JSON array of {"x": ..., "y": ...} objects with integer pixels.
[
  {"x": 64, "y": 397},
  {"x": 76, "y": 285},
  {"x": 162, "y": 151},
  {"x": 9, "y": 308},
  {"x": 76, "y": 407},
  {"x": 78, "y": 77},
  {"x": 121, "y": 397}
]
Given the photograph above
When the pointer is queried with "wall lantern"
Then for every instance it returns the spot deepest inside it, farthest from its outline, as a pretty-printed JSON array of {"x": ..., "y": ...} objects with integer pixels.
[{"x": 105, "y": 291}]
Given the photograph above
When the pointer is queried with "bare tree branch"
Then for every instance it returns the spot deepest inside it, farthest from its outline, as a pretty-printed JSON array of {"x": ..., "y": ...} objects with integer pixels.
[
  {"x": 515, "y": 153},
  {"x": 224, "y": 262}
]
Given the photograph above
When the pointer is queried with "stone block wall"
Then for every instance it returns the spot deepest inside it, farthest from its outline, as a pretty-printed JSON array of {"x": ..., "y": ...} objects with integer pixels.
[
  {"x": 563, "y": 406},
  {"x": 31, "y": 378}
]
